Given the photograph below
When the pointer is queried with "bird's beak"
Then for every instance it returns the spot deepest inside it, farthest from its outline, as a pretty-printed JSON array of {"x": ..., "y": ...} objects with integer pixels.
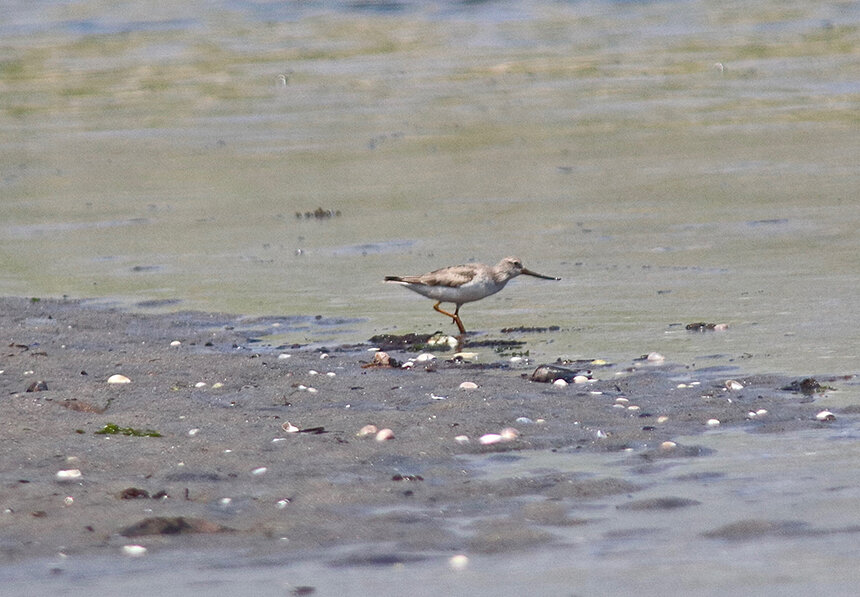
[{"x": 528, "y": 272}]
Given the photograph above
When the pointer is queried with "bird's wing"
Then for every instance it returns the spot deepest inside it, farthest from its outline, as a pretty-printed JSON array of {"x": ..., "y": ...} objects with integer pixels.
[{"x": 454, "y": 276}]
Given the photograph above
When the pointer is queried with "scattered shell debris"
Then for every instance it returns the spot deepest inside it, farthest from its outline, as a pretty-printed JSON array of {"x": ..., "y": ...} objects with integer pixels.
[
  {"x": 366, "y": 430},
  {"x": 71, "y": 474},
  {"x": 825, "y": 415},
  {"x": 133, "y": 551},
  {"x": 117, "y": 378},
  {"x": 458, "y": 562},
  {"x": 384, "y": 435}
]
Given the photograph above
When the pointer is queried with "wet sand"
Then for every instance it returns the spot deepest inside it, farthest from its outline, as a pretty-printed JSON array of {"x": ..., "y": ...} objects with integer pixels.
[{"x": 224, "y": 474}]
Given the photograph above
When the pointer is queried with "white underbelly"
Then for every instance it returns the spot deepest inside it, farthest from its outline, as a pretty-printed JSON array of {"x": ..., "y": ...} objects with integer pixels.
[{"x": 460, "y": 295}]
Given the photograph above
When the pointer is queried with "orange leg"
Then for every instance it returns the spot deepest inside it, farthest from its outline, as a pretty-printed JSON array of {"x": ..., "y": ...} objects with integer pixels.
[{"x": 455, "y": 316}]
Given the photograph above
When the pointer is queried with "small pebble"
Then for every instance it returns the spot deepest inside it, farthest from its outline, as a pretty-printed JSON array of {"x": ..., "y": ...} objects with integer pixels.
[
  {"x": 133, "y": 551},
  {"x": 560, "y": 383},
  {"x": 825, "y": 415},
  {"x": 712, "y": 422},
  {"x": 71, "y": 474},
  {"x": 581, "y": 379},
  {"x": 384, "y": 435},
  {"x": 468, "y": 385},
  {"x": 667, "y": 445},
  {"x": 117, "y": 378},
  {"x": 458, "y": 562}
]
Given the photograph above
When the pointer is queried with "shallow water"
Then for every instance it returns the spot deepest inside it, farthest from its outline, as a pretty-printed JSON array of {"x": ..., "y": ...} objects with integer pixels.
[{"x": 672, "y": 162}]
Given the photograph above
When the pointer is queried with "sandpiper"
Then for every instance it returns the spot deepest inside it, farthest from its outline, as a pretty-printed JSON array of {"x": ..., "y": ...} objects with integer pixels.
[{"x": 461, "y": 284}]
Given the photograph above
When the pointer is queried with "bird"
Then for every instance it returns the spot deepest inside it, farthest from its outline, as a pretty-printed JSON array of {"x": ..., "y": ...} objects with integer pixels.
[{"x": 460, "y": 284}]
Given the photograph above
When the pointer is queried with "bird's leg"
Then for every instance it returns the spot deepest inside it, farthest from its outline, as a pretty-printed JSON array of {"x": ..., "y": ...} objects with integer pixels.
[{"x": 454, "y": 316}]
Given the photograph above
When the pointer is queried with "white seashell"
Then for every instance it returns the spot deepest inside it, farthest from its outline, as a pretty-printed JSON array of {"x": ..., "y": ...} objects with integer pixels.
[
  {"x": 667, "y": 445},
  {"x": 435, "y": 397},
  {"x": 560, "y": 383},
  {"x": 466, "y": 356},
  {"x": 283, "y": 356},
  {"x": 524, "y": 421},
  {"x": 734, "y": 385},
  {"x": 217, "y": 385},
  {"x": 133, "y": 551},
  {"x": 367, "y": 430},
  {"x": 582, "y": 379},
  {"x": 193, "y": 432},
  {"x": 761, "y": 412},
  {"x": 655, "y": 357},
  {"x": 224, "y": 502},
  {"x": 622, "y": 400},
  {"x": 259, "y": 471},
  {"x": 662, "y": 419},
  {"x": 200, "y": 384},
  {"x": 117, "y": 378},
  {"x": 281, "y": 504},
  {"x": 68, "y": 500},
  {"x": 384, "y": 435},
  {"x": 540, "y": 421},
  {"x": 424, "y": 357},
  {"x": 712, "y": 422},
  {"x": 825, "y": 415},
  {"x": 324, "y": 355},
  {"x": 600, "y": 434},
  {"x": 331, "y": 374},
  {"x": 408, "y": 365},
  {"x": 468, "y": 385},
  {"x": 509, "y": 434},
  {"x": 515, "y": 360},
  {"x": 290, "y": 428},
  {"x": 458, "y": 562},
  {"x": 490, "y": 438},
  {"x": 632, "y": 407},
  {"x": 462, "y": 439},
  {"x": 71, "y": 474},
  {"x": 312, "y": 390},
  {"x": 618, "y": 406},
  {"x": 176, "y": 343},
  {"x": 313, "y": 372}
]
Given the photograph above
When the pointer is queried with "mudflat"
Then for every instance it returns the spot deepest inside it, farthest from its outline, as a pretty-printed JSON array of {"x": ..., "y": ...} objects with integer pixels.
[{"x": 217, "y": 439}]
